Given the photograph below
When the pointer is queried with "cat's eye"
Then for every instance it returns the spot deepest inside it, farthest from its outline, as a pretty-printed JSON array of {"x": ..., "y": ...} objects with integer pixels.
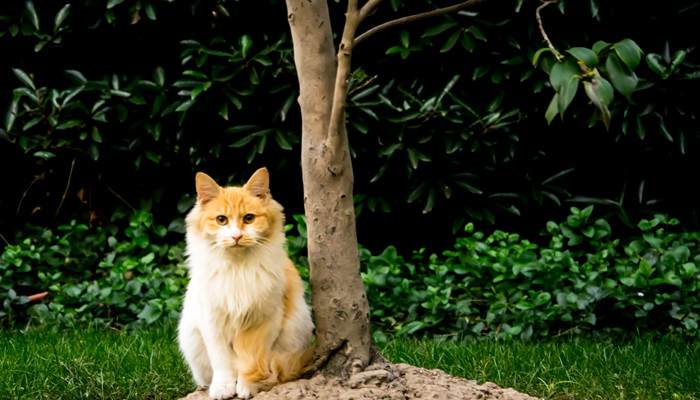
[
  {"x": 249, "y": 218},
  {"x": 221, "y": 220}
]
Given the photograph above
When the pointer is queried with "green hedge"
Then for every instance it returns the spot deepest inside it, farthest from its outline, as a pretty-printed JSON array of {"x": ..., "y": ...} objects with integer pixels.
[
  {"x": 104, "y": 276},
  {"x": 580, "y": 280},
  {"x": 583, "y": 280}
]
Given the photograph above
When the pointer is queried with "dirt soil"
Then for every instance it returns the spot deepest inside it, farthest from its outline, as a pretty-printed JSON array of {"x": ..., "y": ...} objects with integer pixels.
[{"x": 387, "y": 382}]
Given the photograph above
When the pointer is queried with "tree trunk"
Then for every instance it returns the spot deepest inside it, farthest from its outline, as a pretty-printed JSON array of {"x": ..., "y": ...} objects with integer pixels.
[{"x": 339, "y": 302}]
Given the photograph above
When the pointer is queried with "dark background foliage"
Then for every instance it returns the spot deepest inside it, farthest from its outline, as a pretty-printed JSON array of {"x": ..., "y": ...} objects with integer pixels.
[{"x": 116, "y": 103}]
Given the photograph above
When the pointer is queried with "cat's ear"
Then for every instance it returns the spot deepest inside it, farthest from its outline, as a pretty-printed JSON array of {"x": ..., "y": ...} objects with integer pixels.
[
  {"x": 207, "y": 189},
  {"x": 259, "y": 185}
]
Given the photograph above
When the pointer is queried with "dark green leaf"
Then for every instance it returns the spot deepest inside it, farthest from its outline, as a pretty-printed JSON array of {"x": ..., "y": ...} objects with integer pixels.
[
  {"x": 438, "y": 29},
  {"x": 76, "y": 76},
  {"x": 538, "y": 54},
  {"x": 44, "y": 154},
  {"x": 562, "y": 73},
  {"x": 599, "y": 46},
  {"x": 61, "y": 16},
  {"x": 584, "y": 55},
  {"x": 430, "y": 202},
  {"x": 476, "y": 32},
  {"x": 287, "y": 104},
  {"x": 30, "y": 11},
  {"x": 677, "y": 59},
  {"x": 629, "y": 53},
  {"x": 404, "y": 39},
  {"x": 245, "y": 42},
  {"x": 151, "y": 11},
  {"x": 552, "y": 110},
  {"x": 451, "y": 41},
  {"x": 655, "y": 63},
  {"x": 22, "y": 76},
  {"x": 282, "y": 141},
  {"x": 566, "y": 95},
  {"x": 113, "y": 3},
  {"x": 467, "y": 43},
  {"x": 151, "y": 313},
  {"x": 622, "y": 79},
  {"x": 417, "y": 192}
]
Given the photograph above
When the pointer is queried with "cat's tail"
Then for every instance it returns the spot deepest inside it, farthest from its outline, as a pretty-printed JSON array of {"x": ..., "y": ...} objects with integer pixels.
[{"x": 290, "y": 366}]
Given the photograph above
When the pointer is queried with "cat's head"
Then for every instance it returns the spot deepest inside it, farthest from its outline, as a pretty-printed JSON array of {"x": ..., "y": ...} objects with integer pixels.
[{"x": 236, "y": 217}]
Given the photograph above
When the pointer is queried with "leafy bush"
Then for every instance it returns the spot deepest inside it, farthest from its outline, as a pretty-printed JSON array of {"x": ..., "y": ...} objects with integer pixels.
[
  {"x": 503, "y": 285},
  {"x": 212, "y": 84},
  {"x": 582, "y": 280},
  {"x": 100, "y": 276}
]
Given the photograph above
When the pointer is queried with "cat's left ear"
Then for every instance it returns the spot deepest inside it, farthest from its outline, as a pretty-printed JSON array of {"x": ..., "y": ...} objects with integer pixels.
[
  {"x": 259, "y": 185},
  {"x": 207, "y": 189}
]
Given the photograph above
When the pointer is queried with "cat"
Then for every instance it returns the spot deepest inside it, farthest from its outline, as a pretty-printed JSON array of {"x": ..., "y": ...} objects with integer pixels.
[{"x": 245, "y": 325}]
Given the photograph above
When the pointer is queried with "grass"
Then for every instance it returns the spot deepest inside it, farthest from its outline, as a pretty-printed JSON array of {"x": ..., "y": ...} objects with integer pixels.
[
  {"x": 641, "y": 368},
  {"x": 94, "y": 364}
]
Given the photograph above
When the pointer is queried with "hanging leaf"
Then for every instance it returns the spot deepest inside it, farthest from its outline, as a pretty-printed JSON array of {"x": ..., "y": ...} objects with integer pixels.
[
  {"x": 622, "y": 78},
  {"x": 600, "y": 91},
  {"x": 282, "y": 141},
  {"x": 438, "y": 29},
  {"x": 655, "y": 63},
  {"x": 562, "y": 72},
  {"x": 567, "y": 94},
  {"x": 22, "y": 76},
  {"x": 629, "y": 53},
  {"x": 151, "y": 11},
  {"x": 404, "y": 39},
  {"x": 31, "y": 13},
  {"x": 449, "y": 44},
  {"x": 113, "y": 3},
  {"x": 584, "y": 55},
  {"x": 600, "y": 46},
  {"x": 61, "y": 16}
]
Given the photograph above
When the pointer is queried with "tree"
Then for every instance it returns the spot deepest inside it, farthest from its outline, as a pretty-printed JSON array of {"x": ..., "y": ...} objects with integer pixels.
[
  {"x": 344, "y": 345},
  {"x": 341, "y": 311}
]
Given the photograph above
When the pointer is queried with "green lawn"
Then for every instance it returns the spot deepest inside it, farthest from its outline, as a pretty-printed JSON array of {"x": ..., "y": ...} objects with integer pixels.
[
  {"x": 90, "y": 364},
  {"x": 573, "y": 369}
]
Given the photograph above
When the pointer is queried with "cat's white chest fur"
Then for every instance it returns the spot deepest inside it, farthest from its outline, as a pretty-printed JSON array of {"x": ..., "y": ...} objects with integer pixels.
[{"x": 240, "y": 289}]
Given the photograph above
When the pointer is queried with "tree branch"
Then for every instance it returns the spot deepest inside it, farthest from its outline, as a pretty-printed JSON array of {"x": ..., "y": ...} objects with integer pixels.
[
  {"x": 413, "y": 18},
  {"x": 544, "y": 34},
  {"x": 368, "y": 8},
  {"x": 336, "y": 128}
]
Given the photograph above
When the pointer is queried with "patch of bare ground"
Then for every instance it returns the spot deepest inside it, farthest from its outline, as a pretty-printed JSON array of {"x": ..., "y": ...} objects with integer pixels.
[{"x": 384, "y": 382}]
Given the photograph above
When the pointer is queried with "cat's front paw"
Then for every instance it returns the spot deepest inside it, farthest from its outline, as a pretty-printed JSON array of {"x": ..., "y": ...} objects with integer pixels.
[
  {"x": 246, "y": 390},
  {"x": 221, "y": 390}
]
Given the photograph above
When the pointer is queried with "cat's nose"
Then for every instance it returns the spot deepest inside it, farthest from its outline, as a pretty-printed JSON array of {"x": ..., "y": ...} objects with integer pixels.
[{"x": 237, "y": 237}]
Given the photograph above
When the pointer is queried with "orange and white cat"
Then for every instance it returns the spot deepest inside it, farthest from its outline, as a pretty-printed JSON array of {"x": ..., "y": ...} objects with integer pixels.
[{"x": 245, "y": 325}]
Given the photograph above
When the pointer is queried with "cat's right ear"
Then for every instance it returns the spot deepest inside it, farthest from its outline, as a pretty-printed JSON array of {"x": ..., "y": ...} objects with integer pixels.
[{"x": 207, "y": 189}]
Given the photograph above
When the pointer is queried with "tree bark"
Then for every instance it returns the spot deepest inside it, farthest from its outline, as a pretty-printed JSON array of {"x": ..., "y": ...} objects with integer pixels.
[{"x": 339, "y": 302}]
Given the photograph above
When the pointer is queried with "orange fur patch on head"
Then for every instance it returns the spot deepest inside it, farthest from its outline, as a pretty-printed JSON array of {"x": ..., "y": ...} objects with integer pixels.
[{"x": 239, "y": 216}]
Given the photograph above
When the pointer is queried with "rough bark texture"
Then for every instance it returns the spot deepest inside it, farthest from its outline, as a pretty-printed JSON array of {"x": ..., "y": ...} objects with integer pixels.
[
  {"x": 390, "y": 382},
  {"x": 340, "y": 307}
]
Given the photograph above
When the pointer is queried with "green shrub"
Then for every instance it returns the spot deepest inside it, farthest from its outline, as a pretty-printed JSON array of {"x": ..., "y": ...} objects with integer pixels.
[
  {"x": 503, "y": 285},
  {"x": 581, "y": 280},
  {"x": 101, "y": 276}
]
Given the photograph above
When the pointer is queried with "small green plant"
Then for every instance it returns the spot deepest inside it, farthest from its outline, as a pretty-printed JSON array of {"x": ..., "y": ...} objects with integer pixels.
[{"x": 102, "y": 276}]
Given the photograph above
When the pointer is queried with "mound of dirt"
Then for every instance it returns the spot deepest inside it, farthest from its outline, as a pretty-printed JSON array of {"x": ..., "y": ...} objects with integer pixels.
[{"x": 387, "y": 382}]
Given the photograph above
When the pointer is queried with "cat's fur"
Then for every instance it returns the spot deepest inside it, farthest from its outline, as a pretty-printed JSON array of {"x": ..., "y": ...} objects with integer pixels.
[{"x": 245, "y": 325}]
